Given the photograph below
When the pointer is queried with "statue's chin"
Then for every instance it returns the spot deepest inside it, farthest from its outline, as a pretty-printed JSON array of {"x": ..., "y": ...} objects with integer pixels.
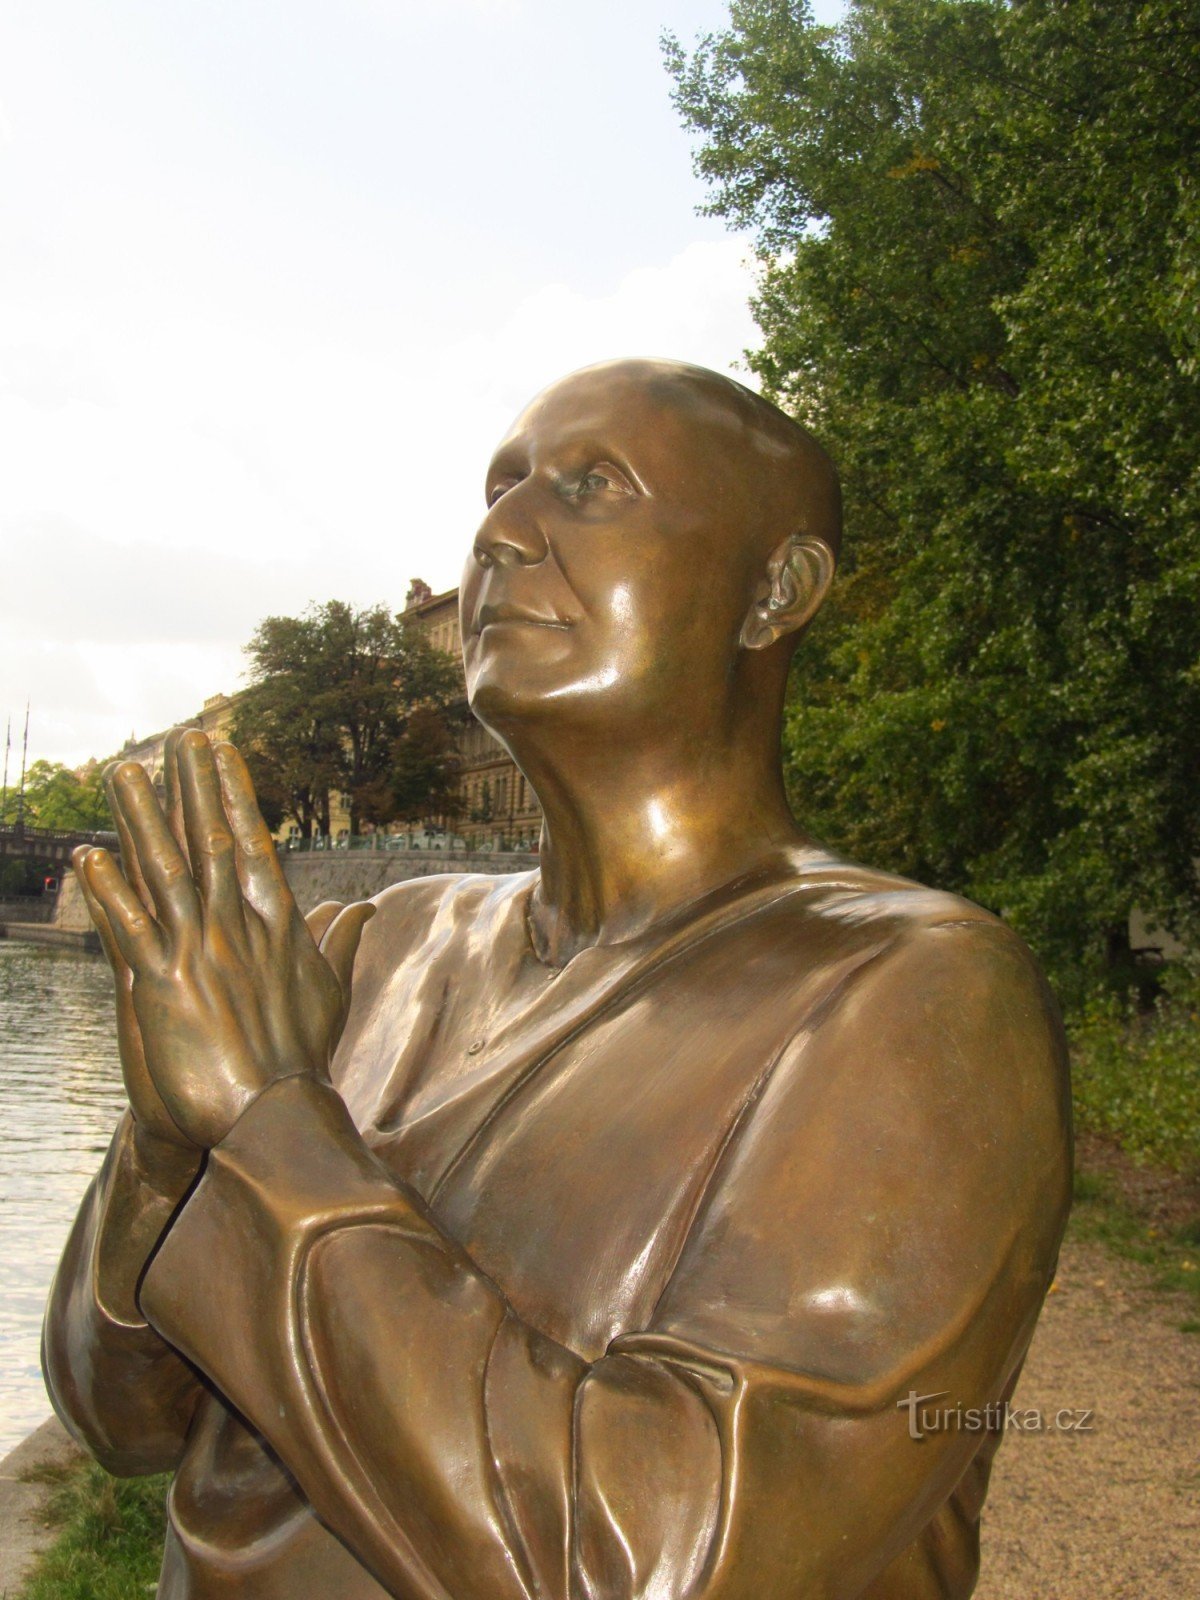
[
  {"x": 505, "y": 706},
  {"x": 582, "y": 696}
]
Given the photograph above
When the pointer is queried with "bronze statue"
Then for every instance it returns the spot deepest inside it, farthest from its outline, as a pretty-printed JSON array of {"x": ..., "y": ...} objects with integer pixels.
[{"x": 596, "y": 1247}]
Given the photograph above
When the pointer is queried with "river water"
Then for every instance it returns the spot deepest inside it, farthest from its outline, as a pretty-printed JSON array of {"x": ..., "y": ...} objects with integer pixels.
[{"x": 60, "y": 1097}]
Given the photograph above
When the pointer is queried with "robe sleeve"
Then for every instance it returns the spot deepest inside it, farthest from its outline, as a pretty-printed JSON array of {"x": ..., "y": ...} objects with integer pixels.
[
  {"x": 117, "y": 1386},
  {"x": 884, "y": 1222}
]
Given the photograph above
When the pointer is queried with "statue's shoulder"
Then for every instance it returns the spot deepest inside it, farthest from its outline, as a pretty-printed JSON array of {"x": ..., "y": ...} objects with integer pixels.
[
  {"x": 399, "y": 902},
  {"x": 920, "y": 1000},
  {"x": 411, "y": 913},
  {"x": 913, "y": 938},
  {"x": 837, "y": 891}
]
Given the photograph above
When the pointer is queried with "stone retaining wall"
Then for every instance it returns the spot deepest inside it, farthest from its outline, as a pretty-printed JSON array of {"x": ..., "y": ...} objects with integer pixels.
[
  {"x": 348, "y": 875},
  {"x": 47, "y": 933}
]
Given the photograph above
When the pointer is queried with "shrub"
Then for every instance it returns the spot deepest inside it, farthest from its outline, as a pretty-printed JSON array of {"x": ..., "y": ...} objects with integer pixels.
[{"x": 1137, "y": 1077}]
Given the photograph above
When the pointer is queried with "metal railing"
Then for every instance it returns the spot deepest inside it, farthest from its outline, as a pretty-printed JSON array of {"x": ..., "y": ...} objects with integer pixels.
[
  {"x": 411, "y": 843},
  {"x": 104, "y": 836}
]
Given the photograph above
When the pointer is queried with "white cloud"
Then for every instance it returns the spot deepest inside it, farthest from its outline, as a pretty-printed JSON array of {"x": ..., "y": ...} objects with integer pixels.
[
  {"x": 404, "y": 10},
  {"x": 692, "y": 308},
  {"x": 172, "y": 481}
]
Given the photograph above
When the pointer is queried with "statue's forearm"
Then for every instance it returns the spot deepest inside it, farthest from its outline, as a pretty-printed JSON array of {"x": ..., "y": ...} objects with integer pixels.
[
  {"x": 114, "y": 1381},
  {"x": 435, "y": 1432}
]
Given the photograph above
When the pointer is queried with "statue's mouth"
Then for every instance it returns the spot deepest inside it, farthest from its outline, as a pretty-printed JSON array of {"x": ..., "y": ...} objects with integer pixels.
[{"x": 491, "y": 615}]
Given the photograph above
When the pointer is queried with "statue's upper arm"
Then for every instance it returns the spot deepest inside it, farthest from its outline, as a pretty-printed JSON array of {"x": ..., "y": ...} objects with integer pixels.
[{"x": 908, "y": 1158}]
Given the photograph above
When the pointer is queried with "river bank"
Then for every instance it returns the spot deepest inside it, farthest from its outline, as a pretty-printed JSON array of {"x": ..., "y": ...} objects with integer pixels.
[{"x": 59, "y": 919}]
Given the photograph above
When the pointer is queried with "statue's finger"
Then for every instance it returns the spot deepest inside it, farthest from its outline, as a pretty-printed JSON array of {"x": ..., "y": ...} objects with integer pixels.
[
  {"x": 172, "y": 792},
  {"x": 97, "y": 913},
  {"x": 340, "y": 945},
  {"x": 138, "y": 937},
  {"x": 163, "y": 864},
  {"x": 262, "y": 879},
  {"x": 209, "y": 835},
  {"x": 319, "y": 918},
  {"x": 129, "y": 861}
]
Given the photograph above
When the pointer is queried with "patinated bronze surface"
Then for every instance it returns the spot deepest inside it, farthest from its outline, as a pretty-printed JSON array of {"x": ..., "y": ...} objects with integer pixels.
[{"x": 593, "y": 1248}]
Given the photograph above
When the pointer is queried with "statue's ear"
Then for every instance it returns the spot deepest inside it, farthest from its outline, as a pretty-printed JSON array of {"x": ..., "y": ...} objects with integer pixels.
[{"x": 796, "y": 582}]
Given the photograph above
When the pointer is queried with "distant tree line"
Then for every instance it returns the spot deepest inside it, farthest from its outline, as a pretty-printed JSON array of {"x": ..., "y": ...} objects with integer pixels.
[
  {"x": 353, "y": 702},
  {"x": 978, "y": 225}
]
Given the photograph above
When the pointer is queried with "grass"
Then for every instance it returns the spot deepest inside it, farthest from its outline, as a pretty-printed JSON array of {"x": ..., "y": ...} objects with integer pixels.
[
  {"x": 109, "y": 1545},
  {"x": 1102, "y": 1214},
  {"x": 1136, "y": 1087}
]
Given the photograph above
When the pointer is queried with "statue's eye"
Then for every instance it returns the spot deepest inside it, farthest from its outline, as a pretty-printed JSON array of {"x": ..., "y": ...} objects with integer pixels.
[
  {"x": 499, "y": 488},
  {"x": 604, "y": 476}
]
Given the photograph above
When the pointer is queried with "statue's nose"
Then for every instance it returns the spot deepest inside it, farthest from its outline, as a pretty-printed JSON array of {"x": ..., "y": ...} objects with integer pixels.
[{"x": 510, "y": 534}]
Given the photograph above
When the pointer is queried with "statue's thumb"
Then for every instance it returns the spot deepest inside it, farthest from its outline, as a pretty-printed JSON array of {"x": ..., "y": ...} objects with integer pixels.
[
  {"x": 339, "y": 946},
  {"x": 318, "y": 920}
]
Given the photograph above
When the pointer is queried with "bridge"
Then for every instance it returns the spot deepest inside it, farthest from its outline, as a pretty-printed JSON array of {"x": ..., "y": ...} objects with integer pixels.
[{"x": 48, "y": 847}]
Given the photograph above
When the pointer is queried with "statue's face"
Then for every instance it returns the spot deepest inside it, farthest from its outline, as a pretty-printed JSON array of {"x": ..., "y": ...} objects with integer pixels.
[{"x": 611, "y": 572}]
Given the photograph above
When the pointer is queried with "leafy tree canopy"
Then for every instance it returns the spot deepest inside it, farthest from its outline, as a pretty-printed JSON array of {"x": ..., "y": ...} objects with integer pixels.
[
  {"x": 977, "y": 224},
  {"x": 57, "y": 798},
  {"x": 351, "y": 701}
]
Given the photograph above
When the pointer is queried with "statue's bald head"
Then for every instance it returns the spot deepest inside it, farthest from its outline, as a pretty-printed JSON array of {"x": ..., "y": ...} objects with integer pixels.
[
  {"x": 656, "y": 537},
  {"x": 788, "y": 479}
]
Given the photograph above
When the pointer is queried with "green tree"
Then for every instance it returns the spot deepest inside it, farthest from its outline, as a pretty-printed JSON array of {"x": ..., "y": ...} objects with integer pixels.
[
  {"x": 977, "y": 228},
  {"x": 58, "y": 798},
  {"x": 422, "y": 775},
  {"x": 284, "y": 724},
  {"x": 347, "y": 700}
]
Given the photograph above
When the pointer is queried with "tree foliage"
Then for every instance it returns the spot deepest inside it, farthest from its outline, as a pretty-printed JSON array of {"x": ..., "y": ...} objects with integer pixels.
[
  {"x": 977, "y": 223},
  {"x": 60, "y": 799},
  {"x": 351, "y": 701}
]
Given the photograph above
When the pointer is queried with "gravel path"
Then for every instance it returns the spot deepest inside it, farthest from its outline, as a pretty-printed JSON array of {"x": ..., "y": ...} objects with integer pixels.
[{"x": 1112, "y": 1513}]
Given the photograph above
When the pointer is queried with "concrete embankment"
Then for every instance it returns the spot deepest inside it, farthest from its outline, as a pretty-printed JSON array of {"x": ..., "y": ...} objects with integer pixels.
[
  {"x": 32, "y": 908},
  {"x": 65, "y": 921},
  {"x": 24, "y": 1529}
]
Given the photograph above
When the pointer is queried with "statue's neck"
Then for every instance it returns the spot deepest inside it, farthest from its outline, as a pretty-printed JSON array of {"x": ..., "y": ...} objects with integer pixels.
[{"x": 630, "y": 836}]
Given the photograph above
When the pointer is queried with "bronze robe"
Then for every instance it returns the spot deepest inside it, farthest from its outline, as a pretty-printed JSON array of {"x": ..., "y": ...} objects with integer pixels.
[{"x": 599, "y": 1284}]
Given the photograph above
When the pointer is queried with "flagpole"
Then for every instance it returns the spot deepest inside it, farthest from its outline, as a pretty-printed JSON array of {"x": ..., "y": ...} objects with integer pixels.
[
  {"x": 7, "y": 748},
  {"x": 21, "y": 790}
]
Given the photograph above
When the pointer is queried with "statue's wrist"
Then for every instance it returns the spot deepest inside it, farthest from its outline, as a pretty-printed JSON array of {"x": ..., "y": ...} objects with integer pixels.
[
  {"x": 165, "y": 1165},
  {"x": 250, "y": 1096}
]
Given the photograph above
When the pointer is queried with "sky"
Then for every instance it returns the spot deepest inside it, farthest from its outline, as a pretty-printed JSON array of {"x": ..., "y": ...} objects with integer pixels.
[{"x": 275, "y": 275}]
